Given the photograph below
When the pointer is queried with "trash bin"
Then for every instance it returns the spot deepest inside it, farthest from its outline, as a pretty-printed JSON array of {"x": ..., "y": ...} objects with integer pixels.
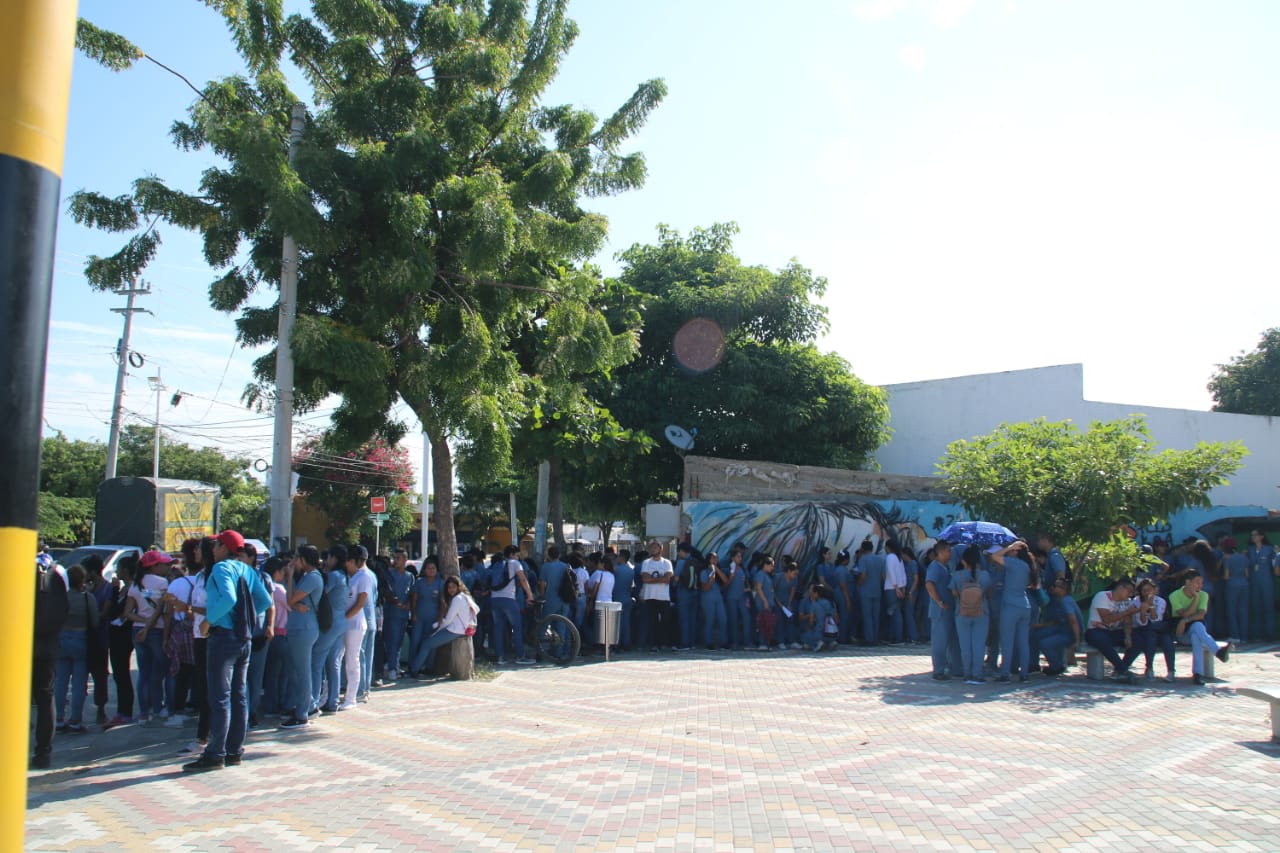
[{"x": 608, "y": 622}]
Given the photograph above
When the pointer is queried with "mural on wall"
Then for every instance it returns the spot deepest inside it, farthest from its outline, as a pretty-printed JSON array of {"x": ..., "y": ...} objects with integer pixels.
[{"x": 800, "y": 528}]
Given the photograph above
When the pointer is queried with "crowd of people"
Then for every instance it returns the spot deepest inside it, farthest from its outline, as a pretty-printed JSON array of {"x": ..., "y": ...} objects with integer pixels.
[{"x": 318, "y": 630}]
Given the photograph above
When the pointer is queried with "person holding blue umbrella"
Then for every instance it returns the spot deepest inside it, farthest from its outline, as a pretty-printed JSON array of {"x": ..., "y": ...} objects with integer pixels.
[{"x": 1015, "y": 609}]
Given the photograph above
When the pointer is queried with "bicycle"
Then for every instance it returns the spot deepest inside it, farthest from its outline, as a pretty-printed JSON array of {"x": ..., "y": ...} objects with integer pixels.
[{"x": 555, "y": 637}]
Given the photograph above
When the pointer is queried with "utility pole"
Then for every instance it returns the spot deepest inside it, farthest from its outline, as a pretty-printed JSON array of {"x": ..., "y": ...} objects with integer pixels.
[
  {"x": 122, "y": 356},
  {"x": 544, "y": 493},
  {"x": 282, "y": 441},
  {"x": 158, "y": 387},
  {"x": 37, "y": 42}
]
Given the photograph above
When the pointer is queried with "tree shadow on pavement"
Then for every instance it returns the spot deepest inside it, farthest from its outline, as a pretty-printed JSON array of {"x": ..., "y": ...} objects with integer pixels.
[{"x": 1039, "y": 695}]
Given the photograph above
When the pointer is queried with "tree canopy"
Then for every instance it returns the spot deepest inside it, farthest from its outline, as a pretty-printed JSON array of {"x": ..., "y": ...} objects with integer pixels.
[
  {"x": 1249, "y": 384},
  {"x": 435, "y": 199},
  {"x": 1081, "y": 485},
  {"x": 728, "y": 349}
]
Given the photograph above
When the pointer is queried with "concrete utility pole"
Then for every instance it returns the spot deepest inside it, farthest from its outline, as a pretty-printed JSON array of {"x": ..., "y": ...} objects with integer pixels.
[
  {"x": 36, "y": 46},
  {"x": 282, "y": 441},
  {"x": 544, "y": 493},
  {"x": 122, "y": 356}
]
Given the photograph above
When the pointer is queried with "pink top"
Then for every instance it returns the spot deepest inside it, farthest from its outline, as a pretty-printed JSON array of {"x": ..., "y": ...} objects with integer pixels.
[{"x": 280, "y": 597}]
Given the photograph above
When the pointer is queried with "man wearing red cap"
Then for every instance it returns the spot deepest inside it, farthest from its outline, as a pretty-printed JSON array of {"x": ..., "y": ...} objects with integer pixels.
[{"x": 229, "y": 626}]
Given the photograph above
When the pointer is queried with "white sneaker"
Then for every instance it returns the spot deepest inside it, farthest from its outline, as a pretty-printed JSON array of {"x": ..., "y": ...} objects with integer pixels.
[
  {"x": 175, "y": 722},
  {"x": 193, "y": 748},
  {"x": 346, "y": 706}
]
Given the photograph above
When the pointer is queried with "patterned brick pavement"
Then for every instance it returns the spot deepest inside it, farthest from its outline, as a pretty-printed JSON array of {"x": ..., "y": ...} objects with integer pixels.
[{"x": 770, "y": 752}]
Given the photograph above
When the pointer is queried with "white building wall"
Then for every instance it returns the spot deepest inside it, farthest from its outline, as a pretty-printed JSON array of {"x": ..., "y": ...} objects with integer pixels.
[{"x": 927, "y": 416}]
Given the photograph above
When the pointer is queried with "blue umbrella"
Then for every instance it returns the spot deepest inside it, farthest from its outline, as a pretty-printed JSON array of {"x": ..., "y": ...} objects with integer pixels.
[{"x": 984, "y": 533}]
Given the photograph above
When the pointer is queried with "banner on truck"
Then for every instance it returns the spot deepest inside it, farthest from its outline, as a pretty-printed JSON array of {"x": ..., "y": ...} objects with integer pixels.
[{"x": 187, "y": 516}]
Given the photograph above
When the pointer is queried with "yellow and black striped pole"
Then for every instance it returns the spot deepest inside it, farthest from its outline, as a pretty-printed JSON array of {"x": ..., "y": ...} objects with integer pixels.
[{"x": 37, "y": 41}]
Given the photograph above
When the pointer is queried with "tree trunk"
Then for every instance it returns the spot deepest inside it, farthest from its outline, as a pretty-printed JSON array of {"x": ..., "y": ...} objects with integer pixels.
[
  {"x": 442, "y": 506},
  {"x": 606, "y": 527},
  {"x": 556, "y": 506}
]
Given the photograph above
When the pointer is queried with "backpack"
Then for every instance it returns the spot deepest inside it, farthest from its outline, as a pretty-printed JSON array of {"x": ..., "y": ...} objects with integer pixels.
[
  {"x": 970, "y": 599},
  {"x": 568, "y": 590},
  {"x": 243, "y": 613},
  {"x": 260, "y": 619},
  {"x": 324, "y": 613},
  {"x": 499, "y": 577},
  {"x": 51, "y": 603}
]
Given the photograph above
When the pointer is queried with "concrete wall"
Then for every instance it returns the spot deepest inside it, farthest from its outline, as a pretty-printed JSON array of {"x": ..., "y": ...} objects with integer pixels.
[{"x": 927, "y": 416}]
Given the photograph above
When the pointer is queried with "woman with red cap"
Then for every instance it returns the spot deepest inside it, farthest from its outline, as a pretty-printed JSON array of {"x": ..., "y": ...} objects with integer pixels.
[{"x": 144, "y": 609}]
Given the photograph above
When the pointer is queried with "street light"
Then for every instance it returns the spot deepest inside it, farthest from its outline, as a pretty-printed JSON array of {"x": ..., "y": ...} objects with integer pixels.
[{"x": 158, "y": 387}]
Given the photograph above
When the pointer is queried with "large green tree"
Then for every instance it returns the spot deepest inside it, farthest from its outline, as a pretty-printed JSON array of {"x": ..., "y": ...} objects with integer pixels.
[
  {"x": 1249, "y": 384},
  {"x": 728, "y": 349},
  {"x": 435, "y": 198},
  {"x": 1078, "y": 485}
]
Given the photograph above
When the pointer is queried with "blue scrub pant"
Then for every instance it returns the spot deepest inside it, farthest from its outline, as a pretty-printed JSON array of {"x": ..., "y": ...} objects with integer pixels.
[
  {"x": 1238, "y": 609},
  {"x": 994, "y": 612},
  {"x": 849, "y": 617},
  {"x": 394, "y": 624},
  {"x": 1262, "y": 616},
  {"x": 624, "y": 630},
  {"x": 1015, "y": 642},
  {"x": 301, "y": 641},
  {"x": 908, "y": 608},
  {"x": 1052, "y": 640},
  {"x": 971, "y": 636},
  {"x": 326, "y": 667},
  {"x": 713, "y": 619},
  {"x": 366, "y": 655},
  {"x": 687, "y": 614},
  {"x": 944, "y": 644},
  {"x": 870, "y": 618},
  {"x": 736, "y": 619}
]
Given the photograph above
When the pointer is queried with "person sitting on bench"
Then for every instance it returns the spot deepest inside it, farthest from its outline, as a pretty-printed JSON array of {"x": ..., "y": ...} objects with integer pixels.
[{"x": 1189, "y": 606}]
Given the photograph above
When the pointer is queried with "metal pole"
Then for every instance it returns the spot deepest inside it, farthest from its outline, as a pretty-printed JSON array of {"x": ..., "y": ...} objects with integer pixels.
[
  {"x": 427, "y": 508},
  {"x": 540, "y": 522},
  {"x": 511, "y": 518},
  {"x": 36, "y": 46},
  {"x": 158, "y": 387},
  {"x": 282, "y": 440},
  {"x": 122, "y": 355}
]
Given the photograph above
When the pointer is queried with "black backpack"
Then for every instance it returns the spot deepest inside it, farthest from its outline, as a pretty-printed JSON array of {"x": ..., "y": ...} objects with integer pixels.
[
  {"x": 569, "y": 591},
  {"x": 244, "y": 616},
  {"x": 499, "y": 576},
  {"x": 324, "y": 613}
]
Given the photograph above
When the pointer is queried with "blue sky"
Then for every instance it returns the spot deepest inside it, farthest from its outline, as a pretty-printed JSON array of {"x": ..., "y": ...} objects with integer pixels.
[{"x": 987, "y": 184}]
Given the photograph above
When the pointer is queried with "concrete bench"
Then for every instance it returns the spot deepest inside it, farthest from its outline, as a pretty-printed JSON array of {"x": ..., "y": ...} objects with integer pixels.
[
  {"x": 1271, "y": 695},
  {"x": 1095, "y": 664}
]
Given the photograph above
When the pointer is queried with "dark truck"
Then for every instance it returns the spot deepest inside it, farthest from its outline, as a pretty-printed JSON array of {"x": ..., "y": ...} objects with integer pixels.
[{"x": 145, "y": 511}]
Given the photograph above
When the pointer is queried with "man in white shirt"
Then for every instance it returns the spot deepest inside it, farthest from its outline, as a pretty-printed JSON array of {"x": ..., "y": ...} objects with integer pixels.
[
  {"x": 506, "y": 613},
  {"x": 363, "y": 585},
  {"x": 656, "y": 574}
]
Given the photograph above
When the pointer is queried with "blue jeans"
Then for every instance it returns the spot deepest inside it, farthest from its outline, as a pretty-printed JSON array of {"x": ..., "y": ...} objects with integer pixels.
[
  {"x": 228, "y": 671},
  {"x": 944, "y": 645},
  {"x": 394, "y": 623},
  {"x": 366, "y": 657},
  {"x": 1148, "y": 637},
  {"x": 152, "y": 666},
  {"x": 870, "y": 618},
  {"x": 72, "y": 671},
  {"x": 430, "y": 644},
  {"x": 326, "y": 667},
  {"x": 1052, "y": 641},
  {"x": 1238, "y": 609},
  {"x": 971, "y": 633},
  {"x": 1262, "y": 616},
  {"x": 1105, "y": 641},
  {"x": 687, "y": 613},
  {"x": 301, "y": 641},
  {"x": 1015, "y": 640},
  {"x": 506, "y": 616},
  {"x": 275, "y": 683},
  {"x": 713, "y": 619}
]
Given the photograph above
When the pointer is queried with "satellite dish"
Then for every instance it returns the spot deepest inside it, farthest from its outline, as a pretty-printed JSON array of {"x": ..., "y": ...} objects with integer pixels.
[{"x": 680, "y": 437}]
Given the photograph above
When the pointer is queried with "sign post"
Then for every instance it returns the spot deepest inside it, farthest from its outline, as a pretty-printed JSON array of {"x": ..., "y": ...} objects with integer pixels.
[{"x": 377, "y": 518}]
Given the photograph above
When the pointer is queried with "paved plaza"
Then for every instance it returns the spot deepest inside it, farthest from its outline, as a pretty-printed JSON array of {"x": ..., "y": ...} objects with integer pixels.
[{"x": 856, "y": 750}]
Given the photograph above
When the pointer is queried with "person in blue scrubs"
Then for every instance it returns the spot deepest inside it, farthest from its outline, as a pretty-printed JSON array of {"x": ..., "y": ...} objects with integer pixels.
[
  {"x": 1235, "y": 576},
  {"x": 735, "y": 605},
  {"x": 814, "y": 617},
  {"x": 994, "y": 607},
  {"x": 784, "y": 585},
  {"x": 1262, "y": 567},
  {"x": 970, "y": 628},
  {"x": 711, "y": 607},
  {"x": 395, "y": 619},
  {"x": 843, "y": 585},
  {"x": 624, "y": 592},
  {"x": 870, "y": 572},
  {"x": 424, "y": 603},
  {"x": 943, "y": 638},
  {"x": 303, "y": 586},
  {"x": 1015, "y": 609},
  {"x": 687, "y": 594},
  {"x": 1061, "y": 625},
  {"x": 326, "y": 654},
  {"x": 1055, "y": 565}
]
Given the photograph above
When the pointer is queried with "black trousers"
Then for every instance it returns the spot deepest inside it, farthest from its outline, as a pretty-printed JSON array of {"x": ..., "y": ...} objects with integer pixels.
[
  {"x": 121, "y": 653},
  {"x": 42, "y": 698},
  {"x": 659, "y": 621},
  {"x": 200, "y": 687}
]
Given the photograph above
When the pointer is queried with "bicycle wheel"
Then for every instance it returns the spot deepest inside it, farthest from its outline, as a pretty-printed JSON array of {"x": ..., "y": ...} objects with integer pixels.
[{"x": 558, "y": 639}]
